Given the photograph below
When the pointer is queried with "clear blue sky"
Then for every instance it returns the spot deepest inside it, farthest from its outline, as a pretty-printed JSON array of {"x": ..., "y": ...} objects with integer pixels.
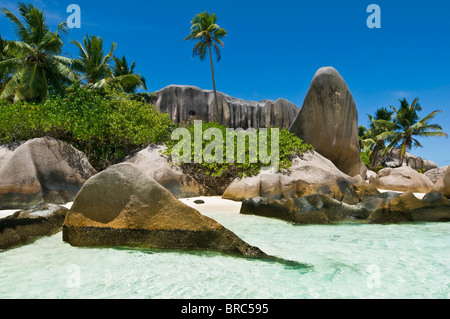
[{"x": 274, "y": 48}]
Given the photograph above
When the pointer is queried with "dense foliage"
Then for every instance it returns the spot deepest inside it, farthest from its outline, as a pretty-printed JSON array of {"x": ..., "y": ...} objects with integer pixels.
[
  {"x": 289, "y": 146},
  {"x": 399, "y": 128},
  {"x": 105, "y": 124}
]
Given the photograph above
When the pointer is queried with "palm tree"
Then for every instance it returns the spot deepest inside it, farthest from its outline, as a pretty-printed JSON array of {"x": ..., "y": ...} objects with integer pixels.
[
  {"x": 33, "y": 61},
  {"x": 4, "y": 74},
  {"x": 407, "y": 125},
  {"x": 372, "y": 141},
  {"x": 121, "y": 69},
  {"x": 96, "y": 69},
  {"x": 208, "y": 35}
]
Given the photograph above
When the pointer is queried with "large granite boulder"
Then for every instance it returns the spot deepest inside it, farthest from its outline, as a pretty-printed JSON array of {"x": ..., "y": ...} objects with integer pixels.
[
  {"x": 403, "y": 179},
  {"x": 393, "y": 160},
  {"x": 434, "y": 207},
  {"x": 443, "y": 184},
  {"x": 155, "y": 165},
  {"x": 328, "y": 120},
  {"x": 437, "y": 173},
  {"x": 122, "y": 207},
  {"x": 184, "y": 102},
  {"x": 310, "y": 174},
  {"x": 23, "y": 227},
  {"x": 42, "y": 170}
]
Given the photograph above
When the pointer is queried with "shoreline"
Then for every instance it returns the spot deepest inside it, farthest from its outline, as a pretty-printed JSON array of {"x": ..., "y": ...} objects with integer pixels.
[{"x": 211, "y": 203}]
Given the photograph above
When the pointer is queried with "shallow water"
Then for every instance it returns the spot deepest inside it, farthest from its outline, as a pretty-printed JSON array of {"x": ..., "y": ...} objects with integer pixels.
[{"x": 348, "y": 261}]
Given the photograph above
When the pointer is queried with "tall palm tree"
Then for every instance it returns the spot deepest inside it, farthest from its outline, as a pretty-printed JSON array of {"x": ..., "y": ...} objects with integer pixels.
[
  {"x": 121, "y": 69},
  {"x": 33, "y": 60},
  {"x": 96, "y": 68},
  {"x": 407, "y": 126},
  {"x": 208, "y": 35}
]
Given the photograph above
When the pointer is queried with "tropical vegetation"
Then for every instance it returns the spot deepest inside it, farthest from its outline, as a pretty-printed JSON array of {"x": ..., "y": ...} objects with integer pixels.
[
  {"x": 208, "y": 35},
  {"x": 397, "y": 128}
]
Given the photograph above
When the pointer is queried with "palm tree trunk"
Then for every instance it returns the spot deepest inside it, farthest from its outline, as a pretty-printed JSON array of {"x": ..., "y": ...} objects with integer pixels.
[{"x": 213, "y": 80}]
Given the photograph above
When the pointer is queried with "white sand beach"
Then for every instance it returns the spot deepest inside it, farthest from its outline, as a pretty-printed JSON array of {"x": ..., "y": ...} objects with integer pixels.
[{"x": 215, "y": 203}]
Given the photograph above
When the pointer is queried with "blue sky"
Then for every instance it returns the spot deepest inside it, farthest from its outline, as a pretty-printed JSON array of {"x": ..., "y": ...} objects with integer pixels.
[{"x": 274, "y": 48}]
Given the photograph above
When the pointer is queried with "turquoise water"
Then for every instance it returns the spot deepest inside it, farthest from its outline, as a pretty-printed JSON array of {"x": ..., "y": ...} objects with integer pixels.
[{"x": 348, "y": 261}]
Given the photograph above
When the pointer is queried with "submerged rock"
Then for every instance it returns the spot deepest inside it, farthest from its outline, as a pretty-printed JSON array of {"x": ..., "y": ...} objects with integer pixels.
[
  {"x": 42, "y": 170},
  {"x": 434, "y": 207},
  {"x": 24, "y": 226},
  {"x": 328, "y": 120},
  {"x": 384, "y": 208},
  {"x": 123, "y": 207}
]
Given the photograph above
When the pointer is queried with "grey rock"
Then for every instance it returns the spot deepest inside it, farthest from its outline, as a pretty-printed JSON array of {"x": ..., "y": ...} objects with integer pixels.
[
  {"x": 25, "y": 226},
  {"x": 42, "y": 170},
  {"x": 328, "y": 120},
  {"x": 184, "y": 103},
  {"x": 403, "y": 179},
  {"x": 154, "y": 164},
  {"x": 437, "y": 173}
]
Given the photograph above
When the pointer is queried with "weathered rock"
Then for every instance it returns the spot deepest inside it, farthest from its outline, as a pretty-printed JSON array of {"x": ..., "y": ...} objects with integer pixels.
[
  {"x": 328, "y": 120},
  {"x": 443, "y": 185},
  {"x": 312, "y": 209},
  {"x": 384, "y": 208},
  {"x": 437, "y": 173},
  {"x": 183, "y": 103},
  {"x": 310, "y": 174},
  {"x": 42, "y": 170},
  {"x": 25, "y": 226},
  {"x": 123, "y": 207},
  {"x": 434, "y": 207},
  {"x": 403, "y": 179},
  {"x": 153, "y": 164},
  {"x": 392, "y": 160}
]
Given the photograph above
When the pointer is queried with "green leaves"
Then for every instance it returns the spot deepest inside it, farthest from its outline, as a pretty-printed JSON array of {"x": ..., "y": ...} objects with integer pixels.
[
  {"x": 104, "y": 124},
  {"x": 32, "y": 60},
  {"x": 289, "y": 146}
]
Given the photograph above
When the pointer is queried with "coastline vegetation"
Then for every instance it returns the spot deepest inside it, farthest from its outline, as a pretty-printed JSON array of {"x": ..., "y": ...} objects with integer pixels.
[{"x": 396, "y": 128}]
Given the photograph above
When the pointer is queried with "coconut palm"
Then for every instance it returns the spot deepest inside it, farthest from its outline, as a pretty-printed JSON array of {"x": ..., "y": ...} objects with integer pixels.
[
  {"x": 372, "y": 141},
  {"x": 208, "y": 35},
  {"x": 402, "y": 133},
  {"x": 33, "y": 61},
  {"x": 4, "y": 74},
  {"x": 95, "y": 67},
  {"x": 121, "y": 69}
]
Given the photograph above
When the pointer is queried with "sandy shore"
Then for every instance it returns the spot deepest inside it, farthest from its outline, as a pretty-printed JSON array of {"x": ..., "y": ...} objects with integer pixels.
[{"x": 215, "y": 203}]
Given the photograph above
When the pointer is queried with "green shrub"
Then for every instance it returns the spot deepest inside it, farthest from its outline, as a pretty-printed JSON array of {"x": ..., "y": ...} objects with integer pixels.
[
  {"x": 289, "y": 146},
  {"x": 106, "y": 125},
  {"x": 365, "y": 159}
]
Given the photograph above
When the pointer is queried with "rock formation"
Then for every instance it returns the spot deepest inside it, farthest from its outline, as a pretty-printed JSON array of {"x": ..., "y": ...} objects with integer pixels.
[
  {"x": 328, "y": 120},
  {"x": 443, "y": 184},
  {"x": 403, "y": 179},
  {"x": 384, "y": 208},
  {"x": 25, "y": 226},
  {"x": 153, "y": 164},
  {"x": 183, "y": 103},
  {"x": 437, "y": 173},
  {"x": 42, "y": 170},
  {"x": 122, "y": 207},
  {"x": 392, "y": 160},
  {"x": 310, "y": 174}
]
